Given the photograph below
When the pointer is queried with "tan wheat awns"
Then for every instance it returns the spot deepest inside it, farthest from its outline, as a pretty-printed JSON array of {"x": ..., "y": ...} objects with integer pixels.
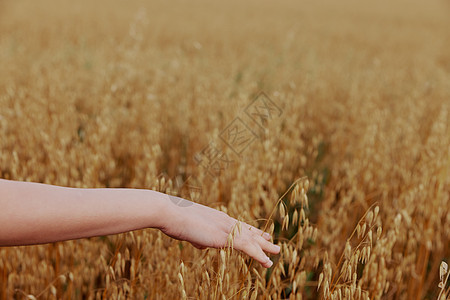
[{"x": 128, "y": 96}]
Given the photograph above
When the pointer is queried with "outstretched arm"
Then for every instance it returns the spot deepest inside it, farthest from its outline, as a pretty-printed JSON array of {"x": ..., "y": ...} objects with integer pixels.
[{"x": 33, "y": 213}]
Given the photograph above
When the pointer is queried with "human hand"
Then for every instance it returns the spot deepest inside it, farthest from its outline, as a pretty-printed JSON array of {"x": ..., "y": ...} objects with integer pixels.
[{"x": 204, "y": 227}]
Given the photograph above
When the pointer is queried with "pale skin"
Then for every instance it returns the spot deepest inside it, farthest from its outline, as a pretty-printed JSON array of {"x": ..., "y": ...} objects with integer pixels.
[{"x": 34, "y": 213}]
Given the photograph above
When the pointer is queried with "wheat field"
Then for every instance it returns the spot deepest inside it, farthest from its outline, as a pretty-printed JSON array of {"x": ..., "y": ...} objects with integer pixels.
[{"x": 139, "y": 93}]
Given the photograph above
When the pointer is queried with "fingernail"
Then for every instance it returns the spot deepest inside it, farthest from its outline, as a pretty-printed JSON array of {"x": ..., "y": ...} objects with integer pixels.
[
  {"x": 270, "y": 263},
  {"x": 266, "y": 235},
  {"x": 278, "y": 247}
]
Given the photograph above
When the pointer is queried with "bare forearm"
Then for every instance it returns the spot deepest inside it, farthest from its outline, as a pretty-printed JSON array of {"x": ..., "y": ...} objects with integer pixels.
[{"x": 32, "y": 213}]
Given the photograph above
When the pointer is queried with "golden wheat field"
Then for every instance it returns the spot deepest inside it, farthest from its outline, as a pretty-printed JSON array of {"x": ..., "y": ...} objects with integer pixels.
[{"x": 354, "y": 95}]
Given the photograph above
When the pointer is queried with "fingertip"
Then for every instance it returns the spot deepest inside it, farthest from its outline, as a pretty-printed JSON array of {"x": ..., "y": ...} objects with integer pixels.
[
  {"x": 277, "y": 249},
  {"x": 268, "y": 264},
  {"x": 272, "y": 248}
]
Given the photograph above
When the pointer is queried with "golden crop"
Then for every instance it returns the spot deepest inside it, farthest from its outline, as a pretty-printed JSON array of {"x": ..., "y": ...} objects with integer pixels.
[{"x": 127, "y": 93}]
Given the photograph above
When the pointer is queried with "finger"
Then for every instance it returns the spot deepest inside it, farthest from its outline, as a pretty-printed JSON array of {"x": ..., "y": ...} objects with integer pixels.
[
  {"x": 259, "y": 232},
  {"x": 266, "y": 245},
  {"x": 254, "y": 251}
]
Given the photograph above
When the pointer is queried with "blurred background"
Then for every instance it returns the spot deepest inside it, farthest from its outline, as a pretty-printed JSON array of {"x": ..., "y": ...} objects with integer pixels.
[{"x": 128, "y": 93}]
